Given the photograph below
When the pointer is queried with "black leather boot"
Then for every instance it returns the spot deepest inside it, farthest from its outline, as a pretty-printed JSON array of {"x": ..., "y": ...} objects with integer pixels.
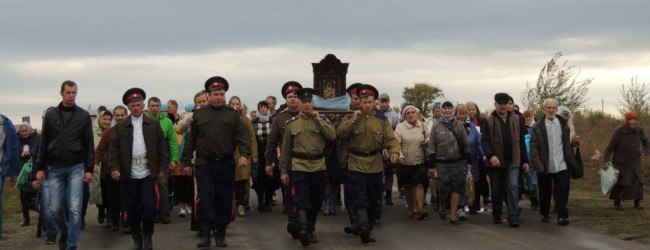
[
  {"x": 312, "y": 236},
  {"x": 136, "y": 234},
  {"x": 364, "y": 228},
  {"x": 353, "y": 228},
  {"x": 147, "y": 233},
  {"x": 304, "y": 227},
  {"x": 389, "y": 198},
  {"x": 220, "y": 236},
  {"x": 293, "y": 225},
  {"x": 205, "y": 229}
]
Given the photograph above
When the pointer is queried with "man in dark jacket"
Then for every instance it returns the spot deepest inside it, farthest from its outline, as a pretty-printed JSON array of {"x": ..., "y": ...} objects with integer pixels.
[
  {"x": 216, "y": 132},
  {"x": 551, "y": 155},
  {"x": 67, "y": 151},
  {"x": 139, "y": 151},
  {"x": 502, "y": 138}
]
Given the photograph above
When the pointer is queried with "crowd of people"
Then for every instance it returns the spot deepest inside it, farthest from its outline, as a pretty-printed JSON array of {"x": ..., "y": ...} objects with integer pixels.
[{"x": 141, "y": 159}]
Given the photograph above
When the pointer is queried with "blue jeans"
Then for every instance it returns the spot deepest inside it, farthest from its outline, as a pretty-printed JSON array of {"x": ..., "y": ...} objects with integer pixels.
[
  {"x": 505, "y": 182},
  {"x": 2, "y": 186},
  {"x": 66, "y": 185},
  {"x": 48, "y": 219}
]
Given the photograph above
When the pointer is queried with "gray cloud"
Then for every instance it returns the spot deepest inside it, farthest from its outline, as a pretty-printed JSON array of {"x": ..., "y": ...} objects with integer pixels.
[{"x": 470, "y": 48}]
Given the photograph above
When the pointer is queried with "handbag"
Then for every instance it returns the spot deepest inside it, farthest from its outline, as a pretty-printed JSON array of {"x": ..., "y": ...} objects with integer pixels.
[
  {"x": 525, "y": 184},
  {"x": 578, "y": 170},
  {"x": 469, "y": 188},
  {"x": 23, "y": 182}
]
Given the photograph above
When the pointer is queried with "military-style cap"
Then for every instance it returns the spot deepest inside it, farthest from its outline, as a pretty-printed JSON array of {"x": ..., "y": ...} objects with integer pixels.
[
  {"x": 305, "y": 94},
  {"x": 366, "y": 90},
  {"x": 216, "y": 83},
  {"x": 290, "y": 87},
  {"x": 501, "y": 98},
  {"x": 132, "y": 95},
  {"x": 352, "y": 89}
]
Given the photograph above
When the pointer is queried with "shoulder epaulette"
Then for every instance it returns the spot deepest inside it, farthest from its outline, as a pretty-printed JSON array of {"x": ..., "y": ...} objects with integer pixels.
[{"x": 381, "y": 116}]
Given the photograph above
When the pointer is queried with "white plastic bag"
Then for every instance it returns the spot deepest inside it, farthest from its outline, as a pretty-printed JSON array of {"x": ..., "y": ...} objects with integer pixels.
[{"x": 608, "y": 179}]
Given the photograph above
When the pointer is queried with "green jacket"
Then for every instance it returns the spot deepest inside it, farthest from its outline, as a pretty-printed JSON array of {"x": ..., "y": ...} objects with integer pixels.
[
  {"x": 306, "y": 136},
  {"x": 170, "y": 135},
  {"x": 369, "y": 135}
]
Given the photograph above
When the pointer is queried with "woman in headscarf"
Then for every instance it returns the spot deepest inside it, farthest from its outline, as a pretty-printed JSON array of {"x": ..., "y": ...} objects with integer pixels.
[
  {"x": 624, "y": 153},
  {"x": 243, "y": 174},
  {"x": 412, "y": 172},
  {"x": 29, "y": 143},
  {"x": 104, "y": 122},
  {"x": 449, "y": 153},
  {"x": 482, "y": 187},
  {"x": 476, "y": 155}
]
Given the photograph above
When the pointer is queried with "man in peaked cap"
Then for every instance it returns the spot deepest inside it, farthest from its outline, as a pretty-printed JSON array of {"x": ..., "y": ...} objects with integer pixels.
[
  {"x": 140, "y": 151},
  {"x": 216, "y": 131},
  {"x": 354, "y": 98},
  {"x": 274, "y": 140},
  {"x": 364, "y": 180},
  {"x": 303, "y": 162},
  {"x": 502, "y": 138}
]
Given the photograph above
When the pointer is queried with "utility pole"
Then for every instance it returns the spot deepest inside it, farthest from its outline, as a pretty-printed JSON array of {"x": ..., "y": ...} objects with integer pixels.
[{"x": 602, "y": 105}]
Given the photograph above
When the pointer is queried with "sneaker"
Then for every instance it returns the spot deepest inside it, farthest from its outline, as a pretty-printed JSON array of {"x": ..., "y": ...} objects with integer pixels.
[
  {"x": 546, "y": 218},
  {"x": 182, "y": 212},
  {"x": 50, "y": 240},
  {"x": 461, "y": 215}
]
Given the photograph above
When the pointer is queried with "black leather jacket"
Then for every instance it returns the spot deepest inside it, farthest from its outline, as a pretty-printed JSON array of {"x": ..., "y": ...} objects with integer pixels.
[{"x": 65, "y": 146}]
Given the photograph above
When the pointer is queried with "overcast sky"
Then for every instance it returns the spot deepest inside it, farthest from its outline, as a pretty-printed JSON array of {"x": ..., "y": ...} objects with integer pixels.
[{"x": 471, "y": 49}]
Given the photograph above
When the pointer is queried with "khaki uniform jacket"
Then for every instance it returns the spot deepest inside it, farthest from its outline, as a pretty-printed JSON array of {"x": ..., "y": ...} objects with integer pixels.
[
  {"x": 370, "y": 132},
  {"x": 306, "y": 136}
]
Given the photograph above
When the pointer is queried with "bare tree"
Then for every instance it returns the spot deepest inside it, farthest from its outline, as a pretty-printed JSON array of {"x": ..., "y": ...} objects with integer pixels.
[
  {"x": 634, "y": 98},
  {"x": 421, "y": 95},
  {"x": 557, "y": 81}
]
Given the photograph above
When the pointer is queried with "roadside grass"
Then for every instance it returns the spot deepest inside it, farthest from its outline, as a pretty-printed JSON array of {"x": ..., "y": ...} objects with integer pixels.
[{"x": 11, "y": 214}]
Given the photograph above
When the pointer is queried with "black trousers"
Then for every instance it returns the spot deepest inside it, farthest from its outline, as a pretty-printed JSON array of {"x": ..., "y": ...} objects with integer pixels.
[
  {"x": 184, "y": 189},
  {"x": 140, "y": 202},
  {"x": 241, "y": 190},
  {"x": 111, "y": 198},
  {"x": 25, "y": 200},
  {"x": 365, "y": 192},
  {"x": 309, "y": 192},
  {"x": 215, "y": 182},
  {"x": 558, "y": 185}
]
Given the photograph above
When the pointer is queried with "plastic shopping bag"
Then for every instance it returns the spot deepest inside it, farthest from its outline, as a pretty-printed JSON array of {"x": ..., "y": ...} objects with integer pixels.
[
  {"x": 608, "y": 179},
  {"x": 469, "y": 189}
]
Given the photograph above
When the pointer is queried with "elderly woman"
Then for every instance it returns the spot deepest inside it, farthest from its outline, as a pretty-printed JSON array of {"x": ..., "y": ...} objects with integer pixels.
[
  {"x": 29, "y": 143},
  {"x": 104, "y": 122},
  {"x": 482, "y": 187},
  {"x": 623, "y": 152},
  {"x": 449, "y": 152},
  {"x": 412, "y": 172},
  {"x": 476, "y": 154},
  {"x": 243, "y": 174}
]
